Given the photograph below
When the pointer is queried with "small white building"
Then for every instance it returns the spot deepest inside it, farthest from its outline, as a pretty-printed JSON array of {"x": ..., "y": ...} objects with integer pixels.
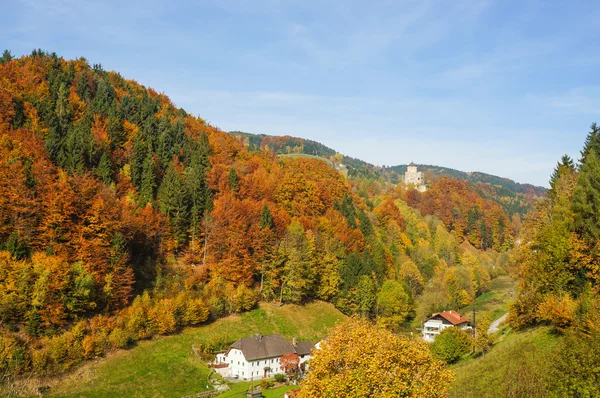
[
  {"x": 259, "y": 356},
  {"x": 442, "y": 320},
  {"x": 414, "y": 177}
]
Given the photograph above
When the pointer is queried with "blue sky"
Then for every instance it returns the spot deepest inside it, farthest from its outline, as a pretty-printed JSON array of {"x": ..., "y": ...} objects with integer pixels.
[{"x": 504, "y": 87}]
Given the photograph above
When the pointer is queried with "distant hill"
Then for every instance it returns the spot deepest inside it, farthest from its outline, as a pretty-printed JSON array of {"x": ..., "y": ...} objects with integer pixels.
[
  {"x": 515, "y": 198},
  {"x": 439, "y": 171},
  {"x": 288, "y": 145}
]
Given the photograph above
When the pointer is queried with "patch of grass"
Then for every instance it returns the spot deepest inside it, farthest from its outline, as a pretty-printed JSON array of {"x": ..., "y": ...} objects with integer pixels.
[
  {"x": 238, "y": 390},
  {"x": 494, "y": 303},
  {"x": 167, "y": 367},
  {"x": 486, "y": 376},
  {"x": 304, "y": 155},
  {"x": 278, "y": 392}
]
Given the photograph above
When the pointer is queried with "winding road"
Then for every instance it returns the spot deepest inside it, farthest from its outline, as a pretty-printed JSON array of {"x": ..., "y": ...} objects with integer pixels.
[{"x": 494, "y": 325}]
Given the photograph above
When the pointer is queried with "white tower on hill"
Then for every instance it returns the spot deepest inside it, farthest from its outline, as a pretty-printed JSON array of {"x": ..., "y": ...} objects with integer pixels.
[{"x": 414, "y": 177}]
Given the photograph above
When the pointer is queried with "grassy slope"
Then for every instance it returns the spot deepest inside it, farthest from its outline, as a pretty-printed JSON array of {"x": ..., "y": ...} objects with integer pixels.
[
  {"x": 486, "y": 376},
  {"x": 239, "y": 390},
  {"x": 494, "y": 303},
  {"x": 166, "y": 366}
]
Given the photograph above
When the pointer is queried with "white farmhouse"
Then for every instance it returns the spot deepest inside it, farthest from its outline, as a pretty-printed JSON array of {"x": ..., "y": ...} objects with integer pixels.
[
  {"x": 258, "y": 356},
  {"x": 442, "y": 320}
]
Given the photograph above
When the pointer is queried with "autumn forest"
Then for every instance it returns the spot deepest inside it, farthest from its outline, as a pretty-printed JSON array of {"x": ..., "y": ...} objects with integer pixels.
[{"x": 123, "y": 217}]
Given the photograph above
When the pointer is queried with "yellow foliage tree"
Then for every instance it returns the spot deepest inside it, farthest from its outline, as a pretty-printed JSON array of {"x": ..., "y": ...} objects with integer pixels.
[{"x": 359, "y": 360}]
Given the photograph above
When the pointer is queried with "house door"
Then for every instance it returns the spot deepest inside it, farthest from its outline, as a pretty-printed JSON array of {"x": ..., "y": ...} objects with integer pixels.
[{"x": 266, "y": 371}]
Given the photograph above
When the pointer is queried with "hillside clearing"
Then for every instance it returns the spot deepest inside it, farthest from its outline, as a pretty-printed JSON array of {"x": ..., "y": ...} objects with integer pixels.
[{"x": 166, "y": 366}]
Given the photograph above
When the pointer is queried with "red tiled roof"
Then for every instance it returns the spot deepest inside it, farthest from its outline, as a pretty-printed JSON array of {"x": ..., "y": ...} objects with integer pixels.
[{"x": 451, "y": 316}]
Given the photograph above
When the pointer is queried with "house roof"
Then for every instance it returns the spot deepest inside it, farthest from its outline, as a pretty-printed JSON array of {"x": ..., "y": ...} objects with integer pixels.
[
  {"x": 270, "y": 346},
  {"x": 304, "y": 347},
  {"x": 451, "y": 316}
]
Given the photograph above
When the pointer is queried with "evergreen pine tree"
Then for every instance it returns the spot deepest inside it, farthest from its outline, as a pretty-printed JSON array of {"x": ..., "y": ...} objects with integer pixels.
[
  {"x": 351, "y": 270},
  {"x": 58, "y": 120},
  {"x": 586, "y": 198},
  {"x": 346, "y": 207},
  {"x": 77, "y": 149},
  {"x": 17, "y": 247},
  {"x": 592, "y": 142},
  {"x": 166, "y": 142},
  {"x": 137, "y": 160},
  {"x": 105, "y": 94},
  {"x": 565, "y": 163},
  {"x": 365, "y": 225},
  {"x": 6, "y": 57},
  {"x": 233, "y": 179},
  {"x": 173, "y": 202},
  {"x": 104, "y": 169},
  {"x": 148, "y": 180},
  {"x": 266, "y": 219},
  {"x": 18, "y": 119},
  {"x": 199, "y": 194},
  {"x": 116, "y": 134},
  {"x": 83, "y": 88}
]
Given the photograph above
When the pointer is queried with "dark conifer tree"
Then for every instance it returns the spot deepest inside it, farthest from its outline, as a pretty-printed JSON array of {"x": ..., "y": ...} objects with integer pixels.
[
  {"x": 173, "y": 201},
  {"x": 592, "y": 142},
  {"x": 199, "y": 194},
  {"x": 105, "y": 94},
  {"x": 83, "y": 88},
  {"x": 148, "y": 180},
  {"x": 18, "y": 119},
  {"x": 233, "y": 179},
  {"x": 586, "y": 198},
  {"x": 6, "y": 57},
  {"x": 565, "y": 164},
  {"x": 17, "y": 247},
  {"x": 166, "y": 142},
  {"x": 140, "y": 149},
  {"x": 346, "y": 207},
  {"x": 104, "y": 169},
  {"x": 266, "y": 219}
]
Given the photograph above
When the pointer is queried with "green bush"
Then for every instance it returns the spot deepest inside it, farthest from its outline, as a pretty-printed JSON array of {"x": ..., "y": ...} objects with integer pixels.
[
  {"x": 280, "y": 378},
  {"x": 450, "y": 345}
]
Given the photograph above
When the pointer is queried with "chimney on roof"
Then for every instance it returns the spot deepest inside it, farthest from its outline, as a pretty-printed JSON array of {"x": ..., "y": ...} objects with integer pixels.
[{"x": 293, "y": 341}]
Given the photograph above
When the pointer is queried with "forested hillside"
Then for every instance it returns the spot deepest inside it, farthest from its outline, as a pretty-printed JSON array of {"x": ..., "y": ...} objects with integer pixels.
[
  {"x": 516, "y": 199},
  {"x": 124, "y": 217}
]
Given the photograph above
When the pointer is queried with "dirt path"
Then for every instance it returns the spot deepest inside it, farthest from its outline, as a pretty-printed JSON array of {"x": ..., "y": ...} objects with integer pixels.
[{"x": 494, "y": 325}]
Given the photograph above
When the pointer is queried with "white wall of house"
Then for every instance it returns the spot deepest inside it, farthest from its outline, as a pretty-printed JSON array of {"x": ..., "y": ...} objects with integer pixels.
[
  {"x": 244, "y": 369},
  {"x": 433, "y": 327}
]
